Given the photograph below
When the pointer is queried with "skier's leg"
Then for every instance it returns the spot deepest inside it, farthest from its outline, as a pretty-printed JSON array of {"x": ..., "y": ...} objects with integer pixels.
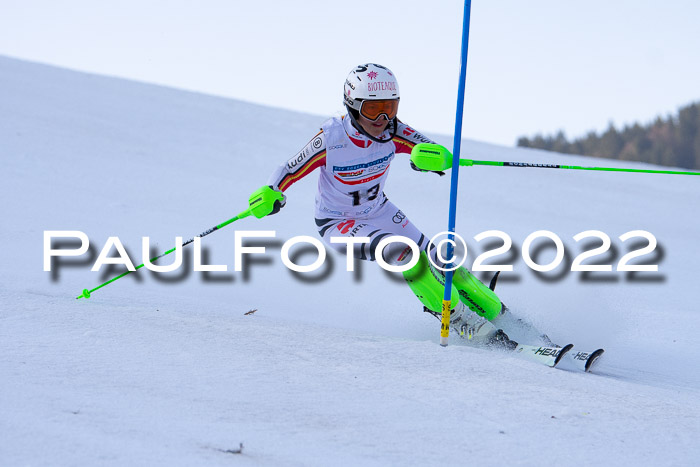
[
  {"x": 424, "y": 279},
  {"x": 424, "y": 283},
  {"x": 428, "y": 284},
  {"x": 476, "y": 295}
]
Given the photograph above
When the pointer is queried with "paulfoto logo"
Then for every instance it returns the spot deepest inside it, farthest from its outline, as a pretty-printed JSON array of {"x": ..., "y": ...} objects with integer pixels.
[{"x": 451, "y": 252}]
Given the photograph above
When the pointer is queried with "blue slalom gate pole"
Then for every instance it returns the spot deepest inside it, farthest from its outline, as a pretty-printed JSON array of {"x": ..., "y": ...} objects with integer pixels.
[{"x": 447, "y": 298}]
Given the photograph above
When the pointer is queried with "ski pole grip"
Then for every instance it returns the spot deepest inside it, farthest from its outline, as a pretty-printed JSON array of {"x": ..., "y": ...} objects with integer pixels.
[
  {"x": 431, "y": 157},
  {"x": 262, "y": 201}
]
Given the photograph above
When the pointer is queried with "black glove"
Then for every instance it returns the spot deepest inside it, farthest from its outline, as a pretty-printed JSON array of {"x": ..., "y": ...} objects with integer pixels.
[
  {"x": 278, "y": 204},
  {"x": 414, "y": 167}
]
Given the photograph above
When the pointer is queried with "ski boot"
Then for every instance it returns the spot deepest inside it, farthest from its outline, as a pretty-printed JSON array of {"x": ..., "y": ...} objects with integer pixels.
[{"x": 470, "y": 326}]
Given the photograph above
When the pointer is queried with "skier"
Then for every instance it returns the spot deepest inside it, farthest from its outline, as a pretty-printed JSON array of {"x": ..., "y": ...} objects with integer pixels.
[{"x": 354, "y": 153}]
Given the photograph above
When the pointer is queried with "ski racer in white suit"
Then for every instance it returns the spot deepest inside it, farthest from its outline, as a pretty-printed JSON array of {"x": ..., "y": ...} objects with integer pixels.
[{"x": 354, "y": 154}]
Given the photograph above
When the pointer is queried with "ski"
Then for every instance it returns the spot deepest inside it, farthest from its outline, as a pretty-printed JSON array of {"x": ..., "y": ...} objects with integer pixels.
[
  {"x": 549, "y": 356},
  {"x": 581, "y": 361},
  {"x": 585, "y": 361}
]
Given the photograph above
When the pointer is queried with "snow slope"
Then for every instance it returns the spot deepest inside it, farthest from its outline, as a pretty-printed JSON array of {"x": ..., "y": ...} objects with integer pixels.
[{"x": 335, "y": 367}]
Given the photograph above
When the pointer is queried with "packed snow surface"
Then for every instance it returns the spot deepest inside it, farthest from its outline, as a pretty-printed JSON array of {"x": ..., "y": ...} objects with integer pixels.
[{"x": 334, "y": 367}]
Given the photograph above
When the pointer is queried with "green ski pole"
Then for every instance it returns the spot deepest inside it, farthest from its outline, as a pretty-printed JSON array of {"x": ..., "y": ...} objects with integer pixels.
[
  {"x": 470, "y": 162},
  {"x": 87, "y": 293},
  {"x": 434, "y": 157},
  {"x": 261, "y": 204}
]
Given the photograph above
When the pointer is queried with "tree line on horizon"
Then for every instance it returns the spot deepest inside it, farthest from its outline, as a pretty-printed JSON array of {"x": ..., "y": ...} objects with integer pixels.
[{"x": 673, "y": 141}]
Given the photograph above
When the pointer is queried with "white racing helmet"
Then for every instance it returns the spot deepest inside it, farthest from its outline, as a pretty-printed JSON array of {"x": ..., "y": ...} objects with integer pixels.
[{"x": 372, "y": 90}]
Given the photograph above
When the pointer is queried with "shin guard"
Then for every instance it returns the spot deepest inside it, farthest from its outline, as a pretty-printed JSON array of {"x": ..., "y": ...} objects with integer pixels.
[
  {"x": 428, "y": 284},
  {"x": 477, "y": 296}
]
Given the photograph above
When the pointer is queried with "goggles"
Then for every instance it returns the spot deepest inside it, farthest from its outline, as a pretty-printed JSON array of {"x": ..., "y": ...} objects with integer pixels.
[{"x": 372, "y": 110}]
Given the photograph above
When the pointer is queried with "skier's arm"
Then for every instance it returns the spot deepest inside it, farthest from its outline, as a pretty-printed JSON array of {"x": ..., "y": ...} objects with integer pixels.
[
  {"x": 406, "y": 137},
  {"x": 311, "y": 157},
  {"x": 270, "y": 199}
]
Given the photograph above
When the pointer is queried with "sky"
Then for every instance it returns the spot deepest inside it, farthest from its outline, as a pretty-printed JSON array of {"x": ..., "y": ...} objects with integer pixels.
[{"x": 533, "y": 67}]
